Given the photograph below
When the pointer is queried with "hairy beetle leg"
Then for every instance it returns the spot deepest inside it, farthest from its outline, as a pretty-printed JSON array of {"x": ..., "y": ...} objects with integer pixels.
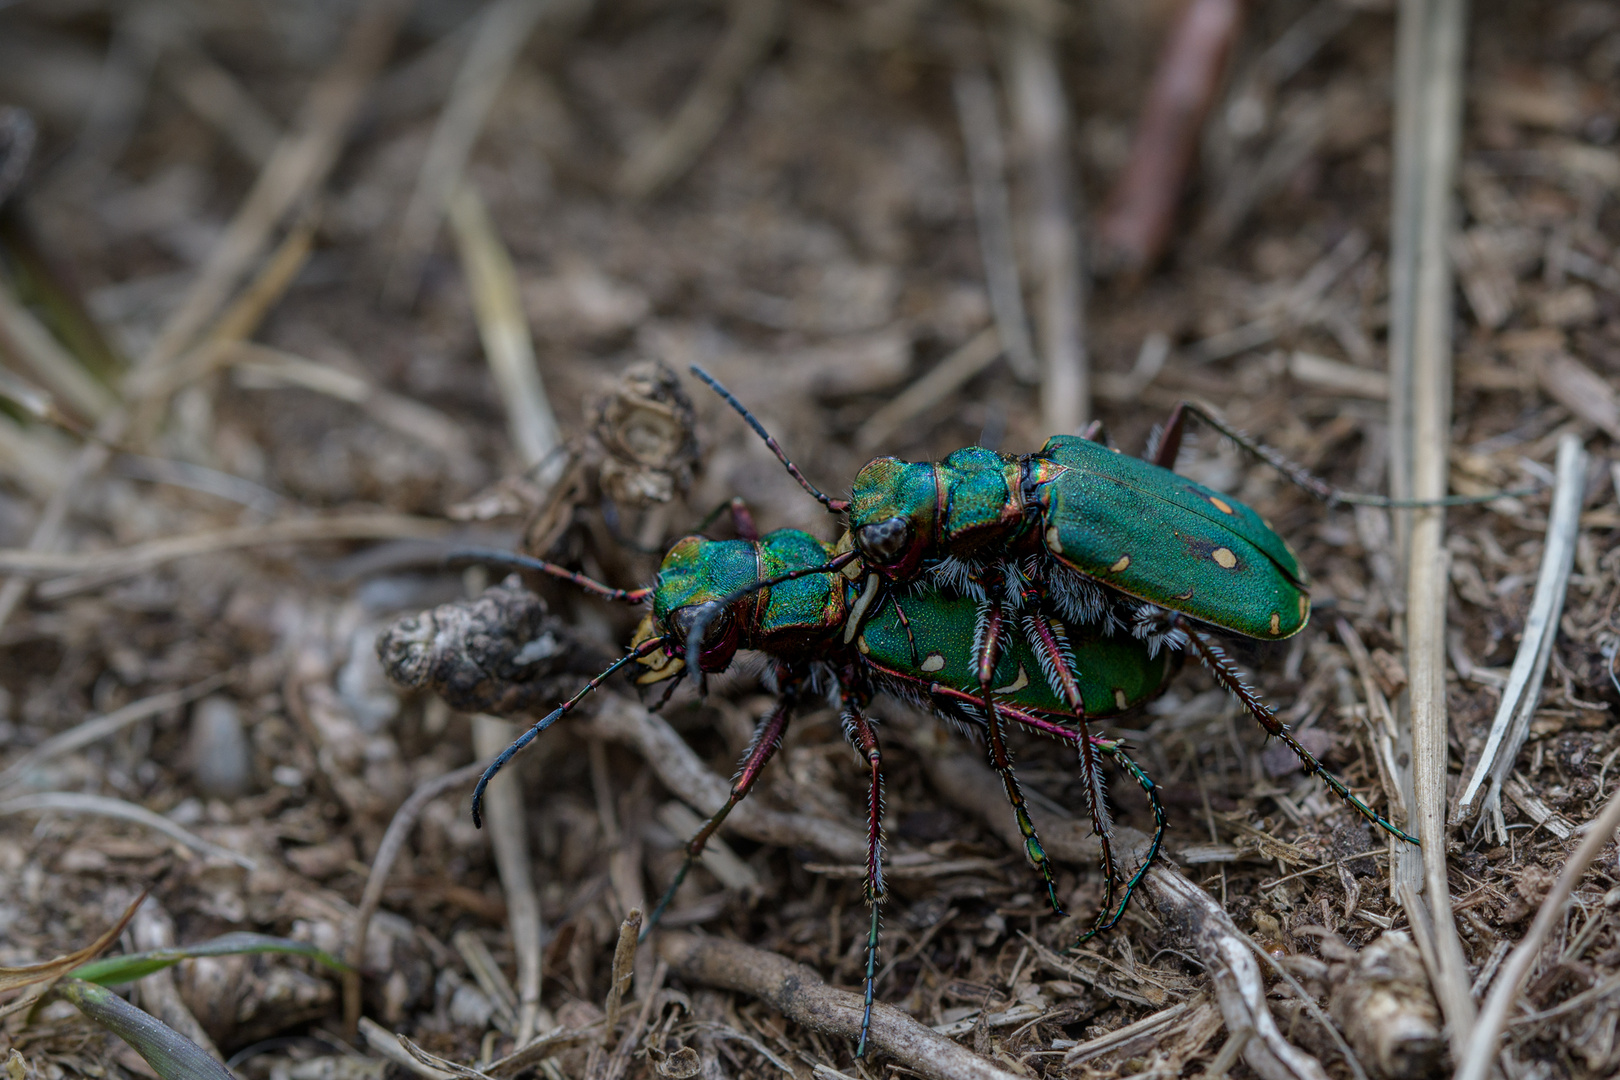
[
  {"x": 1051, "y": 644},
  {"x": 767, "y": 738},
  {"x": 1106, "y": 920},
  {"x": 1231, "y": 679},
  {"x": 989, "y": 652},
  {"x": 861, "y": 736},
  {"x": 1114, "y": 748}
]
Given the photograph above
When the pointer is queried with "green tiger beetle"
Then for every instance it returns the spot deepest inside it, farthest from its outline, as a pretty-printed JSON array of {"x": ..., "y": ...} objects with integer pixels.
[
  {"x": 783, "y": 594},
  {"x": 1080, "y": 532}
]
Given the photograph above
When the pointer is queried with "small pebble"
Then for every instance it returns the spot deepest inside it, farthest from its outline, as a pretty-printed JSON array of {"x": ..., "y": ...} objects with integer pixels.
[
  {"x": 289, "y": 776},
  {"x": 470, "y": 1008},
  {"x": 221, "y": 761}
]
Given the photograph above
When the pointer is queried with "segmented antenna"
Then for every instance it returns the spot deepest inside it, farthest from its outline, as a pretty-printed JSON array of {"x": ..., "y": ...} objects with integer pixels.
[
  {"x": 546, "y": 721},
  {"x": 837, "y": 506},
  {"x": 1303, "y": 478},
  {"x": 524, "y": 562}
]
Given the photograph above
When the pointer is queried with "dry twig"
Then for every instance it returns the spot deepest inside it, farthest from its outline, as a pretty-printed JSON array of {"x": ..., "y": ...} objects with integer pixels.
[
  {"x": 393, "y": 842},
  {"x": 1239, "y": 989},
  {"x": 93, "y": 569},
  {"x": 1512, "y": 722},
  {"x": 1136, "y": 220},
  {"x": 799, "y": 994},
  {"x": 683, "y": 773}
]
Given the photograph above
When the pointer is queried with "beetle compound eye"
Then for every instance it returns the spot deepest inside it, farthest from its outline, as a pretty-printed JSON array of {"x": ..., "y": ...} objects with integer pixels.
[
  {"x": 882, "y": 540},
  {"x": 687, "y": 617}
]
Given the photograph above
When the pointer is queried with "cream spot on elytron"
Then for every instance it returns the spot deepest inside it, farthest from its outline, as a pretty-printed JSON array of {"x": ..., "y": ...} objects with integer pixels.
[
  {"x": 1224, "y": 558},
  {"x": 1304, "y": 607},
  {"x": 1052, "y": 540},
  {"x": 1119, "y": 698},
  {"x": 860, "y": 643},
  {"x": 1017, "y": 684},
  {"x": 1124, "y": 561},
  {"x": 1276, "y": 623},
  {"x": 1221, "y": 504},
  {"x": 933, "y": 662}
]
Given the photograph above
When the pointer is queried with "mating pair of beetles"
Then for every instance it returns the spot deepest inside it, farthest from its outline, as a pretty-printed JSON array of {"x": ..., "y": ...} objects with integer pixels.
[{"x": 1048, "y": 590}]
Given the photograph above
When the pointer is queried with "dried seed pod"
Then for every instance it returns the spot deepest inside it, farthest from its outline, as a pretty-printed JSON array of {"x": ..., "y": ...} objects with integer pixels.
[
  {"x": 495, "y": 653},
  {"x": 647, "y": 426},
  {"x": 640, "y": 450},
  {"x": 1381, "y": 998}
]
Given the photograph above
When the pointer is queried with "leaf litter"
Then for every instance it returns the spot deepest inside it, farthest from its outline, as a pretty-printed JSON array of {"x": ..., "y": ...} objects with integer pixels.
[{"x": 785, "y": 197}]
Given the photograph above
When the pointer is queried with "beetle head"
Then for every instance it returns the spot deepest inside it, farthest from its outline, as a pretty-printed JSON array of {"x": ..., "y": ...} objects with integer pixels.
[{"x": 893, "y": 514}]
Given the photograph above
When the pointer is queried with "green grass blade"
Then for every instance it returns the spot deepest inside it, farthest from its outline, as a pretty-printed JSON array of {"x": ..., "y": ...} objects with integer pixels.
[
  {"x": 171, "y": 1055},
  {"x": 113, "y": 970}
]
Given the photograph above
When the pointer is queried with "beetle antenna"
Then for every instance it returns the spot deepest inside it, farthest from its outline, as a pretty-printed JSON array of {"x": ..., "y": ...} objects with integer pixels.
[
  {"x": 524, "y": 562},
  {"x": 1301, "y": 477},
  {"x": 711, "y": 612},
  {"x": 546, "y": 721},
  {"x": 837, "y": 506}
]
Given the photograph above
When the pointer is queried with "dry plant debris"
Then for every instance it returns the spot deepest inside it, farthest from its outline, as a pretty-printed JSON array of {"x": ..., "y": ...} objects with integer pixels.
[{"x": 204, "y": 261}]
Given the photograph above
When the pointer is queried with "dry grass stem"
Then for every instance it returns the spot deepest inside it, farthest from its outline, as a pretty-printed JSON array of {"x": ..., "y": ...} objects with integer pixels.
[
  {"x": 93, "y": 569},
  {"x": 1040, "y": 109},
  {"x": 1380, "y": 720},
  {"x": 97, "y": 728},
  {"x": 486, "y": 972},
  {"x": 150, "y": 386},
  {"x": 504, "y": 328},
  {"x": 944, "y": 379},
  {"x": 260, "y": 365},
  {"x": 503, "y": 29},
  {"x": 666, "y": 157},
  {"x": 299, "y": 165},
  {"x": 509, "y": 836},
  {"x": 1089, "y": 1049},
  {"x": 1512, "y": 722},
  {"x": 25, "y": 341},
  {"x": 1481, "y": 1048},
  {"x": 977, "y": 109},
  {"x": 72, "y": 802},
  {"x": 214, "y": 94},
  {"x": 1429, "y": 119},
  {"x": 388, "y": 1045}
]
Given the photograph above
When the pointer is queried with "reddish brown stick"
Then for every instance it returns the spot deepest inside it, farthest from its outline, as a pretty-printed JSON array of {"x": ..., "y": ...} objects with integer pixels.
[{"x": 1139, "y": 212}]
